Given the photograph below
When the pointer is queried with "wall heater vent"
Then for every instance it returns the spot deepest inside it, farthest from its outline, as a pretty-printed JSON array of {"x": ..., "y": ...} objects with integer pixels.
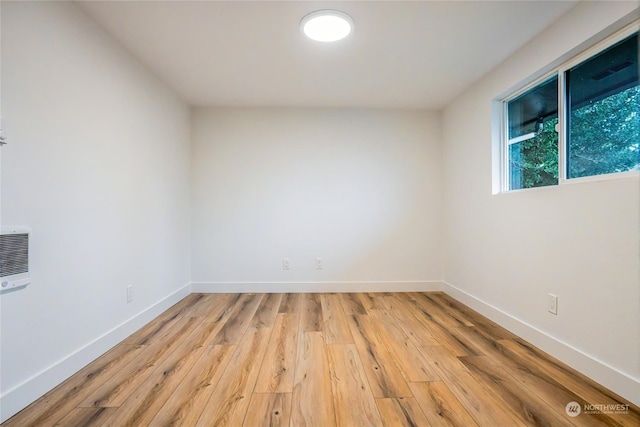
[{"x": 14, "y": 258}]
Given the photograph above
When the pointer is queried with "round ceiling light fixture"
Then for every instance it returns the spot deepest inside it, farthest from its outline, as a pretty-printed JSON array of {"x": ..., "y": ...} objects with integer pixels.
[{"x": 326, "y": 25}]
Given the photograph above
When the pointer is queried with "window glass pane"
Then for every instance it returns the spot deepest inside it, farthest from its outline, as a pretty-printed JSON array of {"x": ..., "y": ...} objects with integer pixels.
[
  {"x": 534, "y": 162},
  {"x": 603, "y": 121},
  {"x": 528, "y": 110},
  {"x": 532, "y": 137}
]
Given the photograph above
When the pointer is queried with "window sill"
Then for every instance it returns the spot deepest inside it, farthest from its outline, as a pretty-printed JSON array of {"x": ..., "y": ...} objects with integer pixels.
[{"x": 634, "y": 174}]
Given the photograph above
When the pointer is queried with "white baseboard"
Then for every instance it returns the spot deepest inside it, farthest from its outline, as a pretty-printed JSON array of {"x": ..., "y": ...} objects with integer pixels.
[
  {"x": 314, "y": 287},
  {"x": 615, "y": 380},
  {"x": 20, "y": 396}
]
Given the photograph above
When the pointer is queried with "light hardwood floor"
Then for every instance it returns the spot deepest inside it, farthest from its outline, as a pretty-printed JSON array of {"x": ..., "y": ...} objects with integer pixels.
[{"x": 387, "y": 359}]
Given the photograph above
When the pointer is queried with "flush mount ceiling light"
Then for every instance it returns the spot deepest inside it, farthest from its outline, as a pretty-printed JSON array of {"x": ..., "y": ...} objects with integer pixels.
[{"x": 326, "y": 25}]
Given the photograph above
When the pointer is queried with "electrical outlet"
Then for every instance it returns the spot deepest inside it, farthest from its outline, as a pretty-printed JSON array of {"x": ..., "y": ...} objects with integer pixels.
[
  {"x": 318, "y": 263},
  {"x": 129, "y": 293},
  {"x": 286, "y": 264},
  {"x": 553, "y": 304}
]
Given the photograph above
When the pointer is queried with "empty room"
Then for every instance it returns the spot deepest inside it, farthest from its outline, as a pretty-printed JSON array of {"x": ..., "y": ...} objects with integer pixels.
[{"x": 310, "y": 213}]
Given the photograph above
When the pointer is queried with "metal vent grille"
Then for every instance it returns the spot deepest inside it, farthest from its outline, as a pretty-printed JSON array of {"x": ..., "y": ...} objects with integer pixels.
[{"x": 14, "y": 254}]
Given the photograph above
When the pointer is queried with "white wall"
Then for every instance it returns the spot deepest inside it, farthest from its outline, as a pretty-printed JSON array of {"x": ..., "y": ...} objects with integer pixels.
[
  {"x": 359, "y": 188},
  {"x": 505, "y": 253},
  {"x": 98, "y": 166}
]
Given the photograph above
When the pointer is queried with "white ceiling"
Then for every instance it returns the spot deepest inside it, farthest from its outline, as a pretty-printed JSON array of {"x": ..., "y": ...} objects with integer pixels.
[{"x": 402, "y": 54}]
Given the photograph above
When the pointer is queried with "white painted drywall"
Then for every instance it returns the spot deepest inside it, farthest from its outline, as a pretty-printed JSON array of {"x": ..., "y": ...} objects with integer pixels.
[
  {"x": 98, "y": 166},
  {"x": 580, "y": 242},
  {"x": 358, "y": 188}
]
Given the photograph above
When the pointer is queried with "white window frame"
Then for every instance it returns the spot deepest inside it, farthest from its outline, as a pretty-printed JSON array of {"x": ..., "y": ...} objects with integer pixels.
[
  {"x": 505, "y": 142},
  {"x": 558, "y": 71}
]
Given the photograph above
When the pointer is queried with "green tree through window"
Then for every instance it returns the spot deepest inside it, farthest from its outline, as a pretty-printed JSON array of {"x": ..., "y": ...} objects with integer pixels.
[
  {"x": 602, "y": 103},
  {"x": 534, "y": 162},
  {"x": 605, "y": 135}
]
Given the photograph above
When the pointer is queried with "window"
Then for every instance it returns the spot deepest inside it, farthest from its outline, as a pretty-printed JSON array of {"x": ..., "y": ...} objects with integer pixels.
[
  {"x": 532, "y": 137},
  {"x": 581, "y": 120},
  {"x": 602, "y": 118}
]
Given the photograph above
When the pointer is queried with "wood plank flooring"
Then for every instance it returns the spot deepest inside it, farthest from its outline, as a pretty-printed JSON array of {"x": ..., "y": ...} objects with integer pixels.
[{"x": 388, "y": 359}]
